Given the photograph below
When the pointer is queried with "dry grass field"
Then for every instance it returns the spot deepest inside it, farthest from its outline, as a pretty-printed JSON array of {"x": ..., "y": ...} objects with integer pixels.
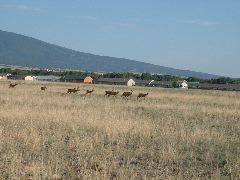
[{"x": 172, "y": 134}]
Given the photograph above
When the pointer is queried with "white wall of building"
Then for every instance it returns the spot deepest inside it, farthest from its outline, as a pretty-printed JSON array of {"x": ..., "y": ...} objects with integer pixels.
[{"x": 30, "y": 78}]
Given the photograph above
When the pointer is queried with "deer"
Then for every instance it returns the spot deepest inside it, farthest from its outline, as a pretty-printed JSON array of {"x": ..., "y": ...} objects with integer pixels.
[
  {"x": 89, "y": 91},
  {"x": 142, "y": 95},
  {"x": 43, "y": 88},
  {"x": 108, "y": 93},
  {"x": 12, "y": 85},
  {"x": 114, "y": 93},
  {"x": 127, "y": 94},
  {"x": 74, "y": 90},
  {"x": 111, "y": 93}
]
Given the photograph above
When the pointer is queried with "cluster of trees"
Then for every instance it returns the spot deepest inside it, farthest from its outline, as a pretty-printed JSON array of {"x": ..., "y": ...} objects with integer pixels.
[
  {"x": 143, "y": 76},
  {"x": 45, "y": 72},
  {"x": 224, "y": 80},
  {"x": 26, "y": 72}
]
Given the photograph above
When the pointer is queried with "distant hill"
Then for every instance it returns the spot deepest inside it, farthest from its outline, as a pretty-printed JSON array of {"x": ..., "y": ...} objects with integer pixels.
[{"x": 21, "y": 50}]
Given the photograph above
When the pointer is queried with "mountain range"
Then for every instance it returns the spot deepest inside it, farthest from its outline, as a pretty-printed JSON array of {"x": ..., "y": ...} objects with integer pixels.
[{"x": 20, "y": 50}]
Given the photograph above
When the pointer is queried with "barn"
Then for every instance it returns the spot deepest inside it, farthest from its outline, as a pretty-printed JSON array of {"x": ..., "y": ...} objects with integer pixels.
[{"x": 88, "y": 80}]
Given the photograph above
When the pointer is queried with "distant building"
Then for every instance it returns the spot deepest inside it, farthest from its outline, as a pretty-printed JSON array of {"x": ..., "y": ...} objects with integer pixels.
[
  {"x": 140, "y": 82},
  {"x": 182, "y": 84},
  {"x": 30, "y": 78},
  {"x": 88, "y": 80},
  {"x": 48, "y": 78},
  {"x": 73, "y": 78},
  {"x": 16, "y": 77},
  {"x": 122, "y": 81},
  {"x": 162, "y": 84},
  {"x": 193, "y": 85},
  {"x": 223, "y": 87},
  {"x": 111, "y": 81},
  {"x": 3, "y": 76}
]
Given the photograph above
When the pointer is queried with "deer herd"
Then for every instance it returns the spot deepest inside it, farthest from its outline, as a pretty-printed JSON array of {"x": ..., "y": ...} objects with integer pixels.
[{"x": 125, "y": 95}]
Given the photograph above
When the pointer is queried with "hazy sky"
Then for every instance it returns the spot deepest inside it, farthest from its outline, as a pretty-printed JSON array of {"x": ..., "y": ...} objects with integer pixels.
[{"x": 200, "y": 35}]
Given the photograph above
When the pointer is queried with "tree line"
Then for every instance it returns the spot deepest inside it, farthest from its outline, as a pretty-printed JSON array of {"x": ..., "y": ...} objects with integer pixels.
[{"x": 143, "y": 76}]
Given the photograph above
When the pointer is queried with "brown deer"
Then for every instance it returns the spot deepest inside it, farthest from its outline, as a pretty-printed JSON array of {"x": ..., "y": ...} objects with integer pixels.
[
  {"x": 89, "y": 91},
  {"x": 74, "y": 90},
  {"x": 108, "y": 93},
  {"x": 111, "y": 93},
  {"x": 114, "y": 93},
  {"x": 127, "y": 94},
  {"x": 12, "y": 85},
  {"x": 142, "y": 95},
  {"x": 43, "y": 88}
]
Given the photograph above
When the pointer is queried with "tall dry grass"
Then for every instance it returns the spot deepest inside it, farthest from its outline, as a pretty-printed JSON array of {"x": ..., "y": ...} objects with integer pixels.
[{"x": 172, "y": 134}]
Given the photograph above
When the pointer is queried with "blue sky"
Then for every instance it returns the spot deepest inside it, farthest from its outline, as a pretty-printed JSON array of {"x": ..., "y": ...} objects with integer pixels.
[{"x": 200, "y": 35}]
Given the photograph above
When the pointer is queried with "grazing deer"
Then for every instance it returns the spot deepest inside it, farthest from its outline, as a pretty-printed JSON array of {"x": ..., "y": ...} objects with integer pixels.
[
  {"x": 43, "y": 88},
  {"x": 89, "y": 91},
  {"x": 140, "y": 95},
  {"x": 74, "y": 90},
  {"x": 12, "y": 85},
  {"x": 127, "y": 94}
]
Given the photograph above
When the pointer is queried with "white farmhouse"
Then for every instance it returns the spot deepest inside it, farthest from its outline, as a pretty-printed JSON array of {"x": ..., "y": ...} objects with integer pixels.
[
  {"x": 131, "y": 82},
  {"x": 30, "y": 78},
  {"x": 3, "y": 76},
  {"x": 183, "y": 84}
]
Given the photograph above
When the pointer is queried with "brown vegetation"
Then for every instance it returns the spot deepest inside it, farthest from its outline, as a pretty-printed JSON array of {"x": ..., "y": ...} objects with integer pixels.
[{"x": 173, "y": 134}]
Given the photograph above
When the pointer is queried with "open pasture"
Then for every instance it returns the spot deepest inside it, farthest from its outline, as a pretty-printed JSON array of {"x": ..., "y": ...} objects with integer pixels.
[{"x": 171, "y": 134}]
